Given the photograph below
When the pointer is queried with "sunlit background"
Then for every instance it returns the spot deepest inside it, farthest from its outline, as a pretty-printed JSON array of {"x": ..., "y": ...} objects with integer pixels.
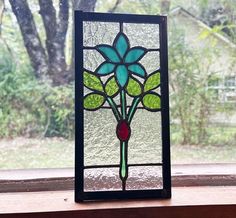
[{"x": 37, "y": 78}]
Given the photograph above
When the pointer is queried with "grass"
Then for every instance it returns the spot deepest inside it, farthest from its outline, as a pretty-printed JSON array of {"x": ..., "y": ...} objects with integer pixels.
[
  {"x": 186, "y": 154},
  {"x": 218, "y": 147},
  {"x": 215, "y": 135},
  {"x": 23, "y": 153}
]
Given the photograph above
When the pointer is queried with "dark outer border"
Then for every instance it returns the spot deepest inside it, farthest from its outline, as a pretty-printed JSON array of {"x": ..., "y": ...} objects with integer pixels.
[{"x": 80, "y": 195}]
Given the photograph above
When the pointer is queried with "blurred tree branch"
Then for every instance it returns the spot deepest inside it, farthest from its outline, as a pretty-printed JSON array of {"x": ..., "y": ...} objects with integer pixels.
[
  {"x": 56, "y": 30},
  {"x": 31, "y": 37},
  {"x": 2, "y": 7},
  {"x": 113, "y": 9},
  {"x": 165, "y": 6},
  {"x": 49, "y": 61},
  {"x": 85, "y": 5}
]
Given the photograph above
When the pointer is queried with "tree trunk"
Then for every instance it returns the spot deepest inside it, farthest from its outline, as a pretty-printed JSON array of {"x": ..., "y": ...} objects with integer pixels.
[
  {"x": 50, "y": 61},
  {"x": 2, "y": 5},
  {"x": 30, "y": 36},
  {"x": 56, "y": 30},
  {"x": 83, "y": 5}
]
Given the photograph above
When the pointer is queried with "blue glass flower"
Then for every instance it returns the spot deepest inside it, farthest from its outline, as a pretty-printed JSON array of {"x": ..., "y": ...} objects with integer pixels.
[{"x": 121, "y": 59}]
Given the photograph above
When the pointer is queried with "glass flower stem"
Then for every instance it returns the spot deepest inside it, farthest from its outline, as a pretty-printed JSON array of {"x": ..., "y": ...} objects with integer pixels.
[
  {"x": 123, "y": 144},
  {"x": 133, "y": 109},
  {"x": 123, "y": 104},
  {"x": 114, "y": 108},
  {"x": 123, "y": 163}
]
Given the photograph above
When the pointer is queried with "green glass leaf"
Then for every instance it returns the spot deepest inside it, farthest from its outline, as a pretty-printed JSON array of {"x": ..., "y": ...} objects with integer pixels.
[
  {"x": 152, "y": 82},
  {"x": 111, "y": 87},
  {"x": 93, "y": 101},
  {"x": 92, "y": 81},
  {"x": 109, "y": 53},
  {"x": 105, "y": 68},
  {"x": 133, "y": 87},
  {"x": 151, "y": 101},
  {"x": 122, "y": 75},
  {"x": 137, "y": 69},
  {"x": 121, "y": 44},
  {"x": 134, "y": 54}
]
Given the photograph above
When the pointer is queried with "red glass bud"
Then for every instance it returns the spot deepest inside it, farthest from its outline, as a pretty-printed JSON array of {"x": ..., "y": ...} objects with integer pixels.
[{"x": 123, "y": 130}]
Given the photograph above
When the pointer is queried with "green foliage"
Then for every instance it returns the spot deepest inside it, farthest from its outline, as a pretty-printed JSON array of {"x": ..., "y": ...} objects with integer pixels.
[
  {"x": 190, "y": 101},
  {"x": 93, "y": 101},
  {"x": 111, "y": 87},
  {"x": 217, "y": 135},
  {"x": 59, "y": 105},
  {"x": 130, "y": 6},
  {"x": 152, "y": 82},
  {"x": 92, "y": 82},
  {"x": 30, "y": 108},
  {"x": 134, "y": 87},
  {"x": 152, "y": 101}
]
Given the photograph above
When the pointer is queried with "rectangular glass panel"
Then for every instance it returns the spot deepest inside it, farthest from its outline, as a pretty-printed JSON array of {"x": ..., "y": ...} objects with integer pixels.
[
  {"x": 102, "y": 179},
  {"x": 140, "y": 34},
  {"x": 119, "y": 80},
  {"x": 145, "y": 144},
  {"x": 100, "y": 144},
  {"x": 144, "y": 177},
  {"x": 99, "y": 32},
  {"x": 122, "y": 107}
]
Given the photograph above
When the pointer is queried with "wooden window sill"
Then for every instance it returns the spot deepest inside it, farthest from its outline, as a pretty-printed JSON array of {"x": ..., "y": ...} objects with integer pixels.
[
  {"x": 191, "y": 202},
  {"x": 63, "y": 179}
]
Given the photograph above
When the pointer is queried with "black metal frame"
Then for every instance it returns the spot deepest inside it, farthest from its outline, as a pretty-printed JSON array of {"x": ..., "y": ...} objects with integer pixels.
[{"x": 80, "y": 195}]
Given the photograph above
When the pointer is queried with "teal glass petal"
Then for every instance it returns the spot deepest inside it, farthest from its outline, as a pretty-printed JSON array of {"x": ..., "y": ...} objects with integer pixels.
[
  {"x": 121, "y": 44},
  {"x": 109, "y": 53},
  {"x": 137, "y": 69},
  {"x": 134, "y": 54},
  {"x": 122, "y": 75},
  {"x": 105, "y": 68}
]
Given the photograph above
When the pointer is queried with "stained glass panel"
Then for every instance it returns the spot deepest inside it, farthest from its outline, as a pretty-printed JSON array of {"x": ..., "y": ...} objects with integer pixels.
[{"x": 122, "y": 140}]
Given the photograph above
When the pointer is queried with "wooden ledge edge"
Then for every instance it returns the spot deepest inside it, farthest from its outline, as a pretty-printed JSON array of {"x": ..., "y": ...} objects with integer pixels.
[
  {"x": 63, "y": 179},
  {"x": 62, "y": 202}
]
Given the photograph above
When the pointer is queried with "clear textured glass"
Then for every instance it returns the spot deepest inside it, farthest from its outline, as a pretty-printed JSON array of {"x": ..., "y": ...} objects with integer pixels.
[
  {"x": 99, "y": 33},
  {"x": 107, "y": 179},
  {"x": 102, "y": 179},
  {"x": 144, "y": 177},
  {"x": 145, "y": 35},
  {"x": 145, "y": 145},
  {"x": 92, "y": 59},
  {"x": 151, "y": 61},
  {"x": 101, "y": 146}
]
